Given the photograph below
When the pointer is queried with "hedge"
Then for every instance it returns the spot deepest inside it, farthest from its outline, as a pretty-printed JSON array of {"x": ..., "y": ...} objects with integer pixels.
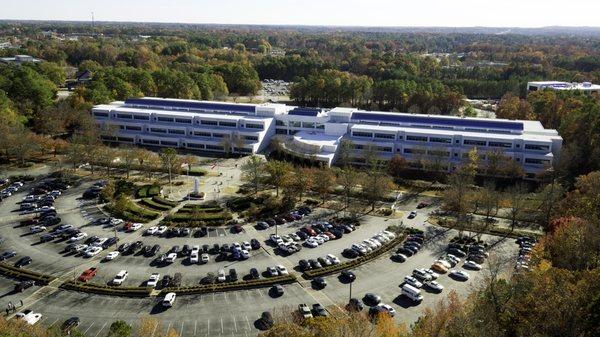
[
  {"x": 148, "y": 191},
  {"x": 164, "y": 201},
  {"x": 356, "y": 262},
  {"x": 149, "y": 203},
  {"x": 24, "y": 274},
  {"x": 230, "y": 286},
  {"x": 106, "y": 290},
  {"x": 196, "y": 171}
]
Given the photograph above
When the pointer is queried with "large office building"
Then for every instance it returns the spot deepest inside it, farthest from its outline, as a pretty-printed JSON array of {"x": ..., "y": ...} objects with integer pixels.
[
  {"x": 318, "y": 134},
  {"x": 586, "y": 87}
]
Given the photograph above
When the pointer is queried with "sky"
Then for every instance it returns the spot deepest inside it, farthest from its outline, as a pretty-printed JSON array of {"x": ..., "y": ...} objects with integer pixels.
[{"x": 395, "y": 13}]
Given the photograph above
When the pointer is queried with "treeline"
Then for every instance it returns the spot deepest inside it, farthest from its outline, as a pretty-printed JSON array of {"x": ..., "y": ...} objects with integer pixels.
[{"x": 576, "y": 116}]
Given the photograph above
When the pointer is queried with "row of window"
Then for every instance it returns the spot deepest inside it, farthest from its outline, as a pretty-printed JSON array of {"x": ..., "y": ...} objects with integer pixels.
[
  {"x": 181, "y": 120},
  {"x": 297, "y": 124}
]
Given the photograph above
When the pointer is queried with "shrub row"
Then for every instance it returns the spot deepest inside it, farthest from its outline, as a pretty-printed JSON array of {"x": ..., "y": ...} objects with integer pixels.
[
  {"x": 218, "y": 287},
  {"x": 24, "y": 274},
  {"x": 101, "y": 289},
  {"x": 148, "y": 191},
  {"x": 163, "y": 201},
  {"x": 356, "y": 262},
  {"x": 149, "y": 203},
  {"x": 196, "y": 171}
]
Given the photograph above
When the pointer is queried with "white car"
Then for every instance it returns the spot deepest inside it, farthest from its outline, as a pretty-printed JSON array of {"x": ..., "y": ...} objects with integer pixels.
[
  {"x": 135, "y": 226},
  {"x": 391, "y": 311},
  {"x": 153, "y": 280},
  {"x": 388, "y": 234},
  {"x": 369, "y": 244},
  {"x": 29, "y": 198},
  {"x": 244, "y": 254},
  {"x": 324, "y": 237},
  {"x": 287, "y": 239},
  {"x": 152, "y": 230},
  {"x": 111, "y": 256},
  {"x": 310, "y": 242},
  {"x": 36, "y": 229},
  {"x": 171, "y": 257},
  {"x": 115, "y": 221},
  {"x": 169, "y": 300},
  {"x": 453, "y": 259},
  {"x": 276, "y": 239},
  {"x": 334, "y": 259},
  {"x": 359, "y": 248},
  {"x": 246, "y": 245},
  {"x": 282, "y": 270},
  {"x": 77, "y": 237},
  {"x": 30, "y": 318},
  {"x": 99, "y": 242},
  {"x": 204, "y": 258},
  {"x": 161, "y": 230},
  {"x": 93, "y": 251},
  {"x": 434, "y": 285},
  {"x": 472, "y": 265},
  {"x": 295, "y": 237},
  {"x": 433, "y": 274},
  {"x": 459, "y": 274},
  {"x": 236, "y": 245},
  {"x": 195, "y": 249},
  {"x": 272, "y": 271},
  {"x": 413, "y": 281},
  {"x": 221, "y": 276},
  {"x": 374, "y": 242},
  {"x": 319, "y": 239},
  {"x": 80, "y": 248},
  {"x": 120, "y": 278},
  {"x": 194, "y": 257}
]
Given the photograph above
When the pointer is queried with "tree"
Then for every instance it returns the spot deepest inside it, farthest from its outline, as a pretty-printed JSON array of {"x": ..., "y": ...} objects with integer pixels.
[
  {"x": 127, "y": 156},
  {"x": 512, "y": 107},
  {"x": 375, "y": 183},
  {"x": 324, "y": 182},
  {"x": 396, "y": 166},
  {"x": 170, "y": 162},
  {"x": 119, "y": 329},
  {"x": 516, "y": 196},
  {"x": 348, "y": 179},
  {"x": 277, "y": 171},
  {"x": 142, "y": 156},
  {"x": 253, "y": 171}
]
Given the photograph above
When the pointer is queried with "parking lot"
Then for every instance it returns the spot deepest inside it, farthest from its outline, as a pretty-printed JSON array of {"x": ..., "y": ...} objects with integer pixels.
[{"x": 229, "y": 313}]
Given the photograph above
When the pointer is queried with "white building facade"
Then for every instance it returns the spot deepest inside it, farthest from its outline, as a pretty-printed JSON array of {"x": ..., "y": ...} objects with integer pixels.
[{"x": 317, "y": 134}]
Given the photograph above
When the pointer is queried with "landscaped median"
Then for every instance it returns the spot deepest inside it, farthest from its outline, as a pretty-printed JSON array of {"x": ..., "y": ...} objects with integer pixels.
[
  {"x": 24, "y": 274},
  {"x": 356, "y": 262},
  {"x": 230, "y": 286},
  {"x": 157, "y": 203},
  {"x": 101, "y": 289}
]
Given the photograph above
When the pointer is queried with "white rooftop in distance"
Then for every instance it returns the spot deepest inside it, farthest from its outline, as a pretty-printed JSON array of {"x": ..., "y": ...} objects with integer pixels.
[
  {"x": 317, "y": 138},
  {"x": 559, "y": 85}
]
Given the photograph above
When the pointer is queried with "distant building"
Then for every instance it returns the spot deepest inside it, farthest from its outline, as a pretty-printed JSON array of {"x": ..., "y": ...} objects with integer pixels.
[
  {"x": 317, "y": 134},
  {"x": 586, "y": 87},
  {"x": 81, "y": 78},
  {"x": 19, "y": 59}
]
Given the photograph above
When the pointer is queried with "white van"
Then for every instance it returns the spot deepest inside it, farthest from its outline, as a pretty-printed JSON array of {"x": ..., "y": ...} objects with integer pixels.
[
  {"x": 169, "y": 300},
  {"x": 411, "y": 292}
]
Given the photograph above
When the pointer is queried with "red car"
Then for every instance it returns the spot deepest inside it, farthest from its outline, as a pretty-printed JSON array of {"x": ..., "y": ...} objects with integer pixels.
[
  {"x": 127, "y": 226},
  {"x": 308, "y": 230},
  {"x": 423, "y": 204},
  {"x": 88, "y": 275},
  {"x": 330, "y": 235},
  {"x": 30, "y": 222}
]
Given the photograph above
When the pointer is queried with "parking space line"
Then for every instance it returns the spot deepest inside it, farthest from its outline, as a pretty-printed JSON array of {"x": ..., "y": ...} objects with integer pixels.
[
  {"x": 181, "y": 331},
  {"x": 169, "y": 327},
  {"x": 89, "y": 327},
  {"x": 248, "y": 322},
  {"x": 207, "y": 326},
  {"x": 96, "y": 335},
  {"x": 222, "y": 328},
  {"x": 53, "y": 322},
  {"x": 154, "y": 330},
  {"x": 195, "y": 326}
]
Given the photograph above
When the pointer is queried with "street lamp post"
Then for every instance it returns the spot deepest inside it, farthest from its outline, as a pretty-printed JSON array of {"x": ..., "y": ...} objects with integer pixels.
[{"x": 350, "y": 295}]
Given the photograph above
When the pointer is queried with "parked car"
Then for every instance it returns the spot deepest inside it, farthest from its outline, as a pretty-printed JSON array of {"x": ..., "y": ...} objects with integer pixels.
[
  {"x": 7, "y": 255},
  {"x": 153, "y": 280},
  {"x": 319, "y": 282},
  {"x": 319, "y": 310},
  {"x": 23, "y": 285},
  {"x": 459, "y": 275},
  {"x": 120, "y": 277},
  {"x": 25, "y": 260},
  {"x": 88, "y": 274},
  {"x": 372, "y": 299},
  {"x": 304, "y": 311},
  {"x": 472, "y": 265}
]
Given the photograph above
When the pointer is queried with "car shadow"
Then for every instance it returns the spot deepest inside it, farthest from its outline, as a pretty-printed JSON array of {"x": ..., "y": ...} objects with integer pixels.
[
  {"x": 404, "y": 302},
  {"x": 158, "y": 308}
]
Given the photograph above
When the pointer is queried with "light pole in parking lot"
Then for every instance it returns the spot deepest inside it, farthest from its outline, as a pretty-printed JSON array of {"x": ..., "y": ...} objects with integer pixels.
[{"x": 350, "y": 295}]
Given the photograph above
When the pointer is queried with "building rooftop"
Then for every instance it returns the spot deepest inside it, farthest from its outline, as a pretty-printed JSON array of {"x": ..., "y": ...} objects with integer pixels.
[{"x": 559, "y": 85}]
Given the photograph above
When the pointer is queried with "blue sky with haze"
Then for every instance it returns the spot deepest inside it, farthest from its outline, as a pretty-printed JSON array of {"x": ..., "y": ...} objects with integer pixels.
[{"x": 455, "y": 13}]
